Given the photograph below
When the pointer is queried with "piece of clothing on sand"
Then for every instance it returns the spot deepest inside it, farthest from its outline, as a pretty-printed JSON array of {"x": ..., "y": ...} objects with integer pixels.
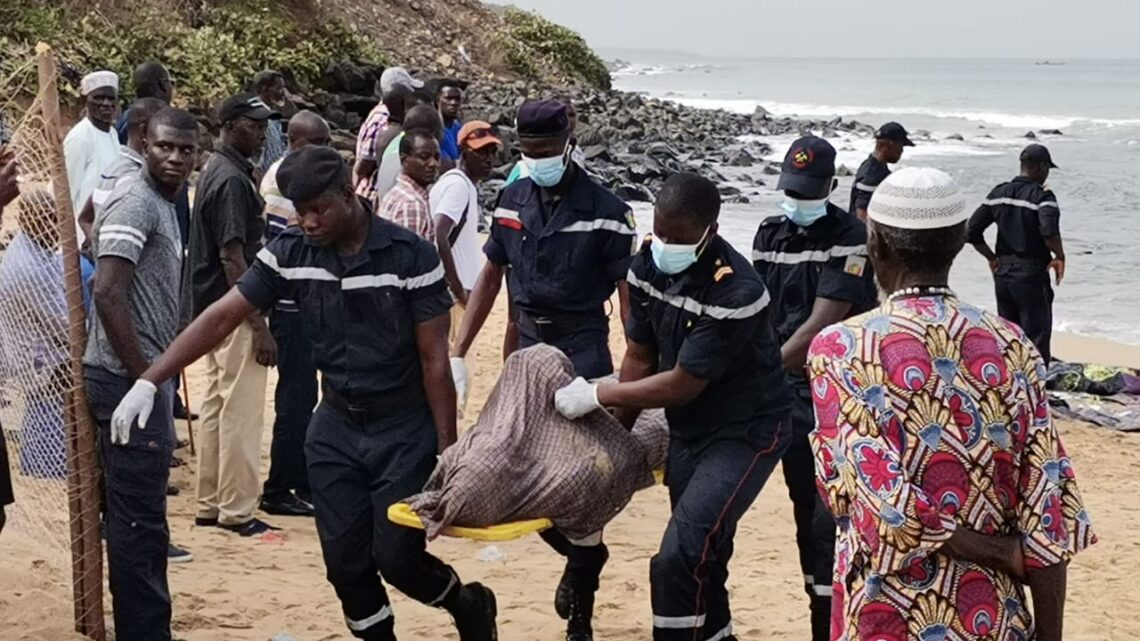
[{"x": 523, "y": 460}]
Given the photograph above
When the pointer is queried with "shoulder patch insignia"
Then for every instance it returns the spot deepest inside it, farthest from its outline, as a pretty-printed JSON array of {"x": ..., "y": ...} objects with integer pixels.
[
  {"x": 855, "y": 265},
  {"x": 722, "y": 273},
  {"x": 630, "y": 219}
]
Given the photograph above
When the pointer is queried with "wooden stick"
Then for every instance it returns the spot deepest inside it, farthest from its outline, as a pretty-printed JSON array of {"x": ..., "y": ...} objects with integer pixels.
[
  {"x": 189, "y": 412},
  {"x": 83, "y": 472}
]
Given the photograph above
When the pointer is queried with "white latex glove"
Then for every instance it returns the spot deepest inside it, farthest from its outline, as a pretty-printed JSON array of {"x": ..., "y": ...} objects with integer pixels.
[
  {"x": 459, "y": 375},
  {"x": 135, "y": 408},
  {"x": 577, "y": 399}
]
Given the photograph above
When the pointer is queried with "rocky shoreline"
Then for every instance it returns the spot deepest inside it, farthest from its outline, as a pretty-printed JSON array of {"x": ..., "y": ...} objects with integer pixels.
[{"x": 632, "y": 143}]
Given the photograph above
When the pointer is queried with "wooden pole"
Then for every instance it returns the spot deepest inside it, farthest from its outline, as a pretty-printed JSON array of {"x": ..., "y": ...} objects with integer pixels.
[
  {"x": 82, "y": 469},
  {"x": 189, "y": 412}
]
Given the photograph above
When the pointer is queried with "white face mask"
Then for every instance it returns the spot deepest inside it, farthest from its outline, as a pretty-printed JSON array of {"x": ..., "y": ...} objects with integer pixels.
[
  {"x": 673, "y": 259},
  {"x": 548, "y": 172}
]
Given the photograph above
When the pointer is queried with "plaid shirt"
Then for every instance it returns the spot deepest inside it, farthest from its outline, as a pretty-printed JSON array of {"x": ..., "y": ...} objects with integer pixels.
[
  {"x": 374, "y": 125},
  {"x": 407, "y": 205}
]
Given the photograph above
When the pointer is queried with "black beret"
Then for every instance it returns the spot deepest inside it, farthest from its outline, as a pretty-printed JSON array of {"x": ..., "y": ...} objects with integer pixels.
[
  {"x": 543, "y": 119},
  {"x": 309, "y": 172}
]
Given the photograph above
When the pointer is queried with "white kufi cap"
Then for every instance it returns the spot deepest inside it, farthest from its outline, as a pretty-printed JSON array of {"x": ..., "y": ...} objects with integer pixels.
[
  {"x": 98, "y": 80},
  {"x": 918, "y": 198}
]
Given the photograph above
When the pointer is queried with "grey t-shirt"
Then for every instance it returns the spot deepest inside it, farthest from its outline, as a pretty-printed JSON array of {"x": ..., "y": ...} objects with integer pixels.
[{"x": 141, "y": 226}]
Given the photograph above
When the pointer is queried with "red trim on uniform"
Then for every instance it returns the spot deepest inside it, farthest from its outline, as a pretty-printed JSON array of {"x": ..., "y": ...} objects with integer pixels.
[
  {"x": 719, "y": 522},
  {"x": 510, "y": 223}
]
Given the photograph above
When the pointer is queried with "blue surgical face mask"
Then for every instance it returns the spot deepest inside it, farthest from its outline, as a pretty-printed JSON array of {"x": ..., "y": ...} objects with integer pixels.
[
  {"x": 804, "y": 212},
  {"x": 547, "y": 172},
  {"x": 674, "y": 259}
]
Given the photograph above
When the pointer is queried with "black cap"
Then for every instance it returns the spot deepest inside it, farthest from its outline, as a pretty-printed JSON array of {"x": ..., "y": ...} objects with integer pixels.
[
  {"x": 1037, "y": 153},
  {"x": 310, "y": 171},
  {"x": 809, "y": 167},
  {"x": 543, "y": 119},
  {"x": 896, "y": 132},
  {"x": 245, "y": 105}
]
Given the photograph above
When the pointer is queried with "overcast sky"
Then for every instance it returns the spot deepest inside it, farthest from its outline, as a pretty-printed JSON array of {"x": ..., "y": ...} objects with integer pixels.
[{"x": 1045, "y": 29}]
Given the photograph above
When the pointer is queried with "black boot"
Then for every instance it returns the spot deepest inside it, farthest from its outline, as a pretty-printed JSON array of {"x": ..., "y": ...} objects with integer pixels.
[
  {"x": 580, "y": 625},
  {"x": 473, "y": 608},
  {"x": 820, "y": 617},
  {"x": 583, "y": 569}
]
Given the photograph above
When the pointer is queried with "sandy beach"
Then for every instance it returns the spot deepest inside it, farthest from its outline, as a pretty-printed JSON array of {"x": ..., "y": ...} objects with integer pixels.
[{"x": 243, "y": 590}]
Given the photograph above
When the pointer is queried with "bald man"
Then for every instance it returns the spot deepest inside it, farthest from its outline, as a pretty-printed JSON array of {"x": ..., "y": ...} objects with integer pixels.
[{"x": 286, "y": 491}]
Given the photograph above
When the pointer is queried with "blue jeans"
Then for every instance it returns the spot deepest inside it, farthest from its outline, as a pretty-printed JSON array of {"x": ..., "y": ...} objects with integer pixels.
[
  {"x": 134, "y": 517},
  {"x": 294, "y": 398},
  {"x": 711, "y": 486}
]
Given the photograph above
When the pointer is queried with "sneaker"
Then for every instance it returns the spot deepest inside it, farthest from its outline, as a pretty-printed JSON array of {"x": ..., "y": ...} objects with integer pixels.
[
  {"x": 175, "y": 554},
  {"x": 474, "y": 613},
  {"x": 204, "y": 521},
  {"x": 286, "y": 505},
  {"x": 252, "y": 527}
]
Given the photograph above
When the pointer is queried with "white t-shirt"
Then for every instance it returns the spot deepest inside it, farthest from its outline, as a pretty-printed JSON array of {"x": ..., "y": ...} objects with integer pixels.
[{"x": 451, "y": 195}]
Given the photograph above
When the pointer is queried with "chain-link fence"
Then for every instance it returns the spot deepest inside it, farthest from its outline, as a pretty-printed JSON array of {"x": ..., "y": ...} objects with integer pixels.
[{"x": 43, "y": 409}]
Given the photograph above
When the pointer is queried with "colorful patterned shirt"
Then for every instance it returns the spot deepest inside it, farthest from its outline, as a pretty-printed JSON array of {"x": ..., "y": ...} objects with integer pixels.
[
  {"x": 932, "y": 414},
  {"x": 407, "y": 205}
]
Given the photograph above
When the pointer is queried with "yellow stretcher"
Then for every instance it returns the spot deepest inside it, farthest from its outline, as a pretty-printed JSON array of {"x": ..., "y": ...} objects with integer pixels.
[{"x": 402, "y": 514}]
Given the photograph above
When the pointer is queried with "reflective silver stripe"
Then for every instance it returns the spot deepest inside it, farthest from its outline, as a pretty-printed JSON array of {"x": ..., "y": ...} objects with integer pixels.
[
  {"x": 360, "y": 625},
  {"x": 723, "y": 634},
  {"x": 104, "y": 238},
  {"x": 696, "y": 307},
  {"x": 286, "y": 301},
  {"x": 294, "y": 273},
  {"x": 443, "y": 595},
  {"x": 809, "y": 579},
  {"x": 679, "y": 623},
  {"x": 821, "y": 590},
  {"x": 867, "y": 188},
  {"x": 1016, "y": 202},
  {"x": 620, "y": 227},
  {"x": 505, "y": 213},
  {"x": 587, "y": 542},
  {"x": 392, "y": 280},
  {"x": 810, "y": 256}
]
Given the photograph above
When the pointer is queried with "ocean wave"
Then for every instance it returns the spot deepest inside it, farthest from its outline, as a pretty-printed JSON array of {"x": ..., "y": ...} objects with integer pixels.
[
  {"x": 1011, "y": 121},
  {"x": 638, "y": 69}
]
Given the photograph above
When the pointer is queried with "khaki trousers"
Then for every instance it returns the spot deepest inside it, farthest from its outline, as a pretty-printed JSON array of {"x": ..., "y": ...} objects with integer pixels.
[
  {"x": 229, "y": 440},
  {"x": 457, "y": 312}
]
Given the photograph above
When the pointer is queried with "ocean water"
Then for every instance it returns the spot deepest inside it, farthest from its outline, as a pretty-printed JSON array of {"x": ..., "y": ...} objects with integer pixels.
[{"x": 992, "y": 104}]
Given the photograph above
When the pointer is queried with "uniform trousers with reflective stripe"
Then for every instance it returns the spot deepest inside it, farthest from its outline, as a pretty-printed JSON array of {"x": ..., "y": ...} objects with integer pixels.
[
  {"x": 134, "y": 516},
  {"x": 229, "y": 439},
  {"x": 711, "y": 486},
  {"x": 357, "y": 468},
  {"x": 815, "y": 527},
  {"x": 1025, "y": 296}
]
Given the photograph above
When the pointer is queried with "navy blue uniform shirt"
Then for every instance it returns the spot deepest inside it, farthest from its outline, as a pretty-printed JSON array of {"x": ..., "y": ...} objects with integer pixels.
[
  {"x": 714, "y": 321},
  {"x": 870, "y": 175},
  {"x": 827, "y": 259},
  {"x": 1026, "y": 213},
  {"x": 568, "y": 259},
  {"x": 362, "y": 309}
]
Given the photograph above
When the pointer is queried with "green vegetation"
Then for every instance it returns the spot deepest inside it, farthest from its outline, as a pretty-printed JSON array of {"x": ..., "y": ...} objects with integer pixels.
[
  {"x": 211, "y": 53},
  {"x": 533, "y": 44}
]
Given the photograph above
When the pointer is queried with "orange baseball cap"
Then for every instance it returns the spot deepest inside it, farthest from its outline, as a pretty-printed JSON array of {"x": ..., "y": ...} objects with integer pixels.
[{"x": 477, "y": 134}]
